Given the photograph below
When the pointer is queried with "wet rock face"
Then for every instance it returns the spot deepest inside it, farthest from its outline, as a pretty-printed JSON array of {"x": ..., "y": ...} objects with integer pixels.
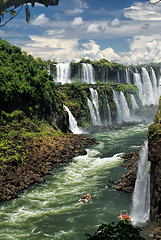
[
  {"x": 127, "y": 182},
  {"x": 154, "y": 156}
]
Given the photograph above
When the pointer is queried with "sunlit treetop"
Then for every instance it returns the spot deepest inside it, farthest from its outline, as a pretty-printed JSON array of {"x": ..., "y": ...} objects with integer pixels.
[{"x": 11, "y": 8}]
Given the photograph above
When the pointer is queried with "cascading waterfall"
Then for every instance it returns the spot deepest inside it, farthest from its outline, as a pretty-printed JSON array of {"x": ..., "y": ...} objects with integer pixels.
[
  {"x": 155, "y": 87},
  {"x": 72, "y": 122},
  {"x": 92, "y": 111},
  {"x": 124, "y": 108},
  {"x": 141, "y": 195},
  {"x": 119, "y": 113},
  {"x": 94, "y": 96},
  {"x": 118, "y": 76},
  {"x": 147, "y": 88},
  {"x": 63, "y": 73},
  {"x": 109, "y": 114},
  {"x": 123, "y": 112},
  {"x": 134, "y": 103},
  {"x": 127, "y": 76},
  {"x": 88, "y": 73},
  {"x": 138, "y": 83}
]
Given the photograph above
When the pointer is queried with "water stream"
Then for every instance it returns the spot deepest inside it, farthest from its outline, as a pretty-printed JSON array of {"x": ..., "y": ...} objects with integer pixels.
[{"x": 51, "y": 211}]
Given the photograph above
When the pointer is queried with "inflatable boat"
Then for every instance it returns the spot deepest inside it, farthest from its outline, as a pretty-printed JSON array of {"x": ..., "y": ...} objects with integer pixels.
[
  {"x": 85, "y": 198},
  {"x": 124, "y": 215}
]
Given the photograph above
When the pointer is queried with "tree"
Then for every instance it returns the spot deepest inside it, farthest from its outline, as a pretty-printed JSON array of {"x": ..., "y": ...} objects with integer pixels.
[
  {"x": 154, "y": 1},
  {"x": 13, "y": 7}
]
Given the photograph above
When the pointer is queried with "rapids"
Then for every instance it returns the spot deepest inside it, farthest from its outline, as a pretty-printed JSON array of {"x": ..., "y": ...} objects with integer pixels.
[{"x": 51, "y": 210}]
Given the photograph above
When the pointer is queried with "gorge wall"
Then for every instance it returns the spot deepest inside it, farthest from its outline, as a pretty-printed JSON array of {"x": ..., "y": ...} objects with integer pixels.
[{"x": 154, "y": 156}]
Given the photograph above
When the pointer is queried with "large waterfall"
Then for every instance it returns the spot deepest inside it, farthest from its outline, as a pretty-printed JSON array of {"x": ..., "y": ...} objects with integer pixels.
[
  {"x": 63, "y": 73},
  {"x": 141, "y": 195},
  {"x": 88, "y": 73},
  {"x": 72, "y": 122}
]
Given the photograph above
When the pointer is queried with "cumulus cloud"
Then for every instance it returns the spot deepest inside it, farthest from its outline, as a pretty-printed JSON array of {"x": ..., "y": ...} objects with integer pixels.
[
  {"x": 52, "y": 48},
  {"x": 40, "y": 20},
  {"x": 143, "y": 11},
  {"x": 77, "y": 21},
  {"x": 93, "y": 28}
]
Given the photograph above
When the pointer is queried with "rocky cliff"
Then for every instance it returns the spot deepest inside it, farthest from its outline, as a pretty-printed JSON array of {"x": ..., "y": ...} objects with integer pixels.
[{"x": 154, "y": 156}]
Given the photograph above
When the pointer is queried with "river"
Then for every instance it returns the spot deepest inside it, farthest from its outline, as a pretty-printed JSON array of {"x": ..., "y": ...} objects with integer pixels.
[{"x": 51, "y": 210}]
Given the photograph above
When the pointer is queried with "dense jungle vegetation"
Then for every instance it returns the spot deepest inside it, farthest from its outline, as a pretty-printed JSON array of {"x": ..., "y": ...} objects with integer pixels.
[{"x": 26, "y": 85}]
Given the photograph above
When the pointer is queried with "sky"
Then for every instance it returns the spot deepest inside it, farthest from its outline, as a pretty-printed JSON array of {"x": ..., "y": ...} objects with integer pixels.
[{"x": 123, "y": 31}]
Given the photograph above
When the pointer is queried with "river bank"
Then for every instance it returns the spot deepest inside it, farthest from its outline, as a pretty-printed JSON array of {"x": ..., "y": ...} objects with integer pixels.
[{"x": 26, "y": 157}]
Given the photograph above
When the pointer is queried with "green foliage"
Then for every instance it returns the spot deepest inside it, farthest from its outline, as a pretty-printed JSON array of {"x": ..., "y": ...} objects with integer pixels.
[
  {"x": 75, "y": 98},
  {"x": 116, "y": 231},
  {"x": 26, "y": 85}
]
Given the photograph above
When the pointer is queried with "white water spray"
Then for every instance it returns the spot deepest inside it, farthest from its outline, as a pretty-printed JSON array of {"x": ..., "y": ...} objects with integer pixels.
[
  {"x": 63, "y": 72},
  {"x": 72, "y": 122},
  {"x": 141, "y": 195}
]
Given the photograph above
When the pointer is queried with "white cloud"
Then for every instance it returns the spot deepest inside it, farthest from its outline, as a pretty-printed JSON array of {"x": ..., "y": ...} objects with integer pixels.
[
  {"x": 93, "y": 28},
  {"x": 40, "y": 20},
  {"x": 77, "y": 21},
  {"x": 142, "y": 50},
  {"x": 143, "y": 11},
  {"x": 75, "y": 11},
  {"x": 52, "y": 48}
]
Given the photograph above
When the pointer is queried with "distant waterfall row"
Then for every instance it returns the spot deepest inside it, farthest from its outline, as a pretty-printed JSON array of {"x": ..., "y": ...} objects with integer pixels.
[
  {"x": 63, "y": 73},
  {"x": 149, "y": 85}
]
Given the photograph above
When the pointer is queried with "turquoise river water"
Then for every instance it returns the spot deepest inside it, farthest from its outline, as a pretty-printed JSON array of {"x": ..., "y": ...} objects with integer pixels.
[{"x": 51, "y": 211}]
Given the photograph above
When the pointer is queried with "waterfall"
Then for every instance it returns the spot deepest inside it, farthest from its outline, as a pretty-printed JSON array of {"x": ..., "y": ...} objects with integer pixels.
[
  {"x": 72, "y": 122},
  {"x": 88, "y": 73},
  {"x": 155, "y": 87},
  {"x": 141, "y": 195},
  {"x": 124, "y": 108},
  {"x": 118, "y": 76},
  {"x": 127, "y": 76},
  {"x": 92, "y": 112},
  {"x": 94, "y": 96},
  {"x": 109, "y": 114},
  {"x": 119, "y": 113},
  {"x": 123, "y": 112},
  {"x": 138, "y": 83},
  {"x": 63, "y": 72},
  {"x": 134, "y": 103},
  {"x": 147, "y": 88}
]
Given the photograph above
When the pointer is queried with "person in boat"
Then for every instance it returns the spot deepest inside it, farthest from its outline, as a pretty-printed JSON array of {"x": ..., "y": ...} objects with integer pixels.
[
  {"x": 85, "y": 198},
  {"x": 124, "y": 215}
]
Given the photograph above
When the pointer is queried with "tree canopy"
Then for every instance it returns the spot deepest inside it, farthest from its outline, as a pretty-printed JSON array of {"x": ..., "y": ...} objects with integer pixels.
[{"x": 13, "y": 7}]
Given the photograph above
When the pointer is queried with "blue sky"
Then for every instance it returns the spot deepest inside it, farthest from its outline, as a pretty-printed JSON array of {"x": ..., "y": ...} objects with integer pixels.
[{"x": 123, "y": 31}]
